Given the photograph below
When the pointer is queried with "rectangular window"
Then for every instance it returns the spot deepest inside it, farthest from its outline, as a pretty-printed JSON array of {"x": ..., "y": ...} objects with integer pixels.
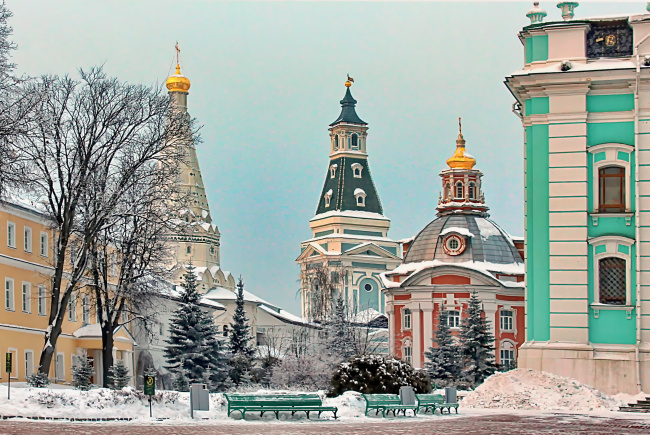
[
  {"x": 506, "y": 318},
  {"x": 406, "y": 324},
  {"x": 453, "y": 318},
  {"x": 28, "y": 239},
  {"x": 507, "y": 357},
  {"x": 29, "y": 363},
  {"x": 9, "y": 294},
  {"x": 72, "y": 308},
  {"x": 612, "y": 280},
  {"x": 27, "y": 297},
  {"x": 43, "y": 244},
  {"x": 11, "y": 234},
  {"x": 85, "y": 310},
  {"x": 42, "y": 301},
  {"x": 59, "y": 367},
  {"x": 611, "y": 181},
  {"x": 408, "y": 354}
]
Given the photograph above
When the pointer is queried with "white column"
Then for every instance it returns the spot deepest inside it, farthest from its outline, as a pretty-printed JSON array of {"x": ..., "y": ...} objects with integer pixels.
[
  {"x": 416, "y": 328},
  {"x": 427, "y": 326},
  {"x": 390, "y": 312}
]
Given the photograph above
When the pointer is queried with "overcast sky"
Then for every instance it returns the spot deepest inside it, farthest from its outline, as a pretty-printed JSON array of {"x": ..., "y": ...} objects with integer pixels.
[{"x": 267, "y": 78}]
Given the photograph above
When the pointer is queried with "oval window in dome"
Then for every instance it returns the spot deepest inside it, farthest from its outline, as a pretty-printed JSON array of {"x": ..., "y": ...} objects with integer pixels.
[{"x": 454, "y": 245}]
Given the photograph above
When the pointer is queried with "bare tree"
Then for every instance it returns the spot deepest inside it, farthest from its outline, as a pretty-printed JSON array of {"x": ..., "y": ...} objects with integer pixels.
[
  {"x": 129, "y": 256},
  {"x": 321, "y": 285},
  {"x": 87, "y": 143}
]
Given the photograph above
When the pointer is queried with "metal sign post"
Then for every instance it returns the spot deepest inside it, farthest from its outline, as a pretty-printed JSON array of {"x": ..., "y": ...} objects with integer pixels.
[
  {"x": 8, "y": 366},
  {"x": 149, "y": 389}
]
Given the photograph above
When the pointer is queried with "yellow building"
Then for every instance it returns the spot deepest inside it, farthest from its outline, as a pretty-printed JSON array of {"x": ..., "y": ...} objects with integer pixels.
[{"x": 26, "y": 259}]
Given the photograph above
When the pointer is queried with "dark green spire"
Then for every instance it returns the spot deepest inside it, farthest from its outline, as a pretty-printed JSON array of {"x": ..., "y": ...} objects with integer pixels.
[{"x": 348, "y": 114}]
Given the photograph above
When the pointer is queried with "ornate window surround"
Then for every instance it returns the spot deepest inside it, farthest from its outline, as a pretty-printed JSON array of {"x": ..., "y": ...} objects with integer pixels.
[
  {"x": 612, "y": 246},
  {"x": 354, "y": 167},
  {"x": 611, "y": 151}
]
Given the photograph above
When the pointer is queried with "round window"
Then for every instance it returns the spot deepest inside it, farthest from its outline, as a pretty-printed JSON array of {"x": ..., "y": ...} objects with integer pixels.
[
  {"x": 368, "y": 287},
  {"x": 454, "y": 245}
]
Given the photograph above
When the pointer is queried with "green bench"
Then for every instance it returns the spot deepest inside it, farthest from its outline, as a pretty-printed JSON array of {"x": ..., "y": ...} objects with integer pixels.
[
  {"x": 433, "y": 401},
  {"x": 277, "y": 403},
  {"x": 387, "y": 403}
]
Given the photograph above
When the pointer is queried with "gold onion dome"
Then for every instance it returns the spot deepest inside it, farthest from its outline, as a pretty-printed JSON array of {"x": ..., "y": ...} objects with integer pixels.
[
  {"x": 460, "y": 159},
  {"x": 178, "y": 82}
]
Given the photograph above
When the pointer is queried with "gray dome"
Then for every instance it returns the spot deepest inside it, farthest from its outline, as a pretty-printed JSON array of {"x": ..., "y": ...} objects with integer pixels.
[{"x": 487, "y": 241}]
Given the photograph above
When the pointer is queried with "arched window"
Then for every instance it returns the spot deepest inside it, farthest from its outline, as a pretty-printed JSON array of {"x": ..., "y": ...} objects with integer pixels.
[
  {"x": 360, "y": 197},
  {"x": 459, "y": 190},
  {"x": 189, "y": 249},
  {"x": 336, "y": 142},
  {"x": 472, "y": 190},
  {"x": 612, "y": 280},
  {"x": 355, "y": 141},
  {"x": 507, "y": 357},
  {"x": 333, "y": 170},
  {"x": 356, "y": 170},
  {"x": 611, "y": 186}
]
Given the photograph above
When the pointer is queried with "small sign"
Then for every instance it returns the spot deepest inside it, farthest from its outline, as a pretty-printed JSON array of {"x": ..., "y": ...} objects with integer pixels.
[
  {"x": 9, "y": 364},
  {"x": 149, "y": 385}
]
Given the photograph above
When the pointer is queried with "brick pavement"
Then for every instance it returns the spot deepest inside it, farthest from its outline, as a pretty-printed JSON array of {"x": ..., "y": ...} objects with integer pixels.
[{"x": 493, "y": 424}]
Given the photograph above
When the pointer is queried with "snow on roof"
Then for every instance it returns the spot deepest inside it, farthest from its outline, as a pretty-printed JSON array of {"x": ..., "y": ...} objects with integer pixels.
[
  {"x": 349, "y": 236},
  {"x": 602, "y": 64},
  {"x": 488, "y": 228},
  {"x": 329, "y": 192},
  {"x": 359, "y": 191},
  {"x": 93, "y": 330},
  {"x": 214, "y": 304},
  {"x": 406, "y": 240},
  {"x": 484, "y": 267},
  {"x": 20, "y": 199},
  {"x": 283, "y": 315},
  {"x": 457, "y": 230},
  {"x": 221, "y": 293},
  {"x": 366, "y": 316},
  {"x": 350, "y": 213}
]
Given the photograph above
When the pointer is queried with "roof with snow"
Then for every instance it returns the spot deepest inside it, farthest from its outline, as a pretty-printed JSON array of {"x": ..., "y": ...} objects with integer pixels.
[{"x": 486, "y": 241}]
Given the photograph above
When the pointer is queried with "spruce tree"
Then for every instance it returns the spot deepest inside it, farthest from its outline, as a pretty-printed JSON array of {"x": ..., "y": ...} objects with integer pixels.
[
  {"x": 339, "y": 340},
  {"x": 443, "y": 363},
  {"x": 81, "y": 373},
  {"x": 240, "y": 341},
  {"x": 477, "y": 350},
  {"x": 194, "y": 353},
  {"x": 119, "y": 376}
]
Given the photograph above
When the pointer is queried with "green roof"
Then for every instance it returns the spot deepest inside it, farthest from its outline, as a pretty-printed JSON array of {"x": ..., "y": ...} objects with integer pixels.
[
  {"x": 344, "y": 184},
  {"x": 348, "y": 113}
]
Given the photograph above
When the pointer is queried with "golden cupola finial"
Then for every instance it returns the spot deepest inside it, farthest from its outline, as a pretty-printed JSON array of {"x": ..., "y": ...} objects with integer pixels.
[
  {"x": 461, "y": 159},
  {"x": 178, "y": 82}
]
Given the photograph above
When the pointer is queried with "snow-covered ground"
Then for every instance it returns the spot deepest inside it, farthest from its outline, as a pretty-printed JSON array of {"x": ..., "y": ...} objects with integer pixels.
[
  {"x": 521, "y": 392},
  {"x": 526, "y": 389}
]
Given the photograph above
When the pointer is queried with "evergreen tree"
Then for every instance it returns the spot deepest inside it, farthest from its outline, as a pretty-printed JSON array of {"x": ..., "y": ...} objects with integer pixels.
[
  {"x": 194, "y": 353},
  {"x": 340, "y": 342},
  {"x": 81, "y": 373},
  {"x": 119, "y": 376},
  {"x": 477, "y": 351},
  {"x": 240, "y": 341},
  {"x": 442, "y": 363}
]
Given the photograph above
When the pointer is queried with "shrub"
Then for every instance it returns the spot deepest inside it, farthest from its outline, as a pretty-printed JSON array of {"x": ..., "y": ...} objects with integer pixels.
[
  {"x": 81, "y": 373},
  {"x": 119, "y": 376},
  {"x": 375, "y": 374},
  {"x": 38, "y": 380}
]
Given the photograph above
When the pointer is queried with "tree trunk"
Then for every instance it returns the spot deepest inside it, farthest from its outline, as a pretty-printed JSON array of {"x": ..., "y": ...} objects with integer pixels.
[{"x": 107, "y": 354}]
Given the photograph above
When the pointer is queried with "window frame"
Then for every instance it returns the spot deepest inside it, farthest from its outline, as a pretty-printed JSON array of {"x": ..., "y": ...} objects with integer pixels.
[
  {"x": 471, "y": 190},
  {"x": 510, "y": 319},
  {"x": 26, "y": 297},
  {"x": 611, "y": 151},
  {"x": 42, "y": 300},
  {"x": 11, "y": 234},
  {"x": 602, "y": 177},
  {"x": 612, "y": 248},
  {"x": 27, "y": 239},
  {"x": 72, "y": 308},
  {"x": 459, "y": 185},
  {"x": 513, "y": 349},
  {"x": 59, "y": 367},
  {"x": 44, "y": 246},
  {"x": 357, "y": 167},
  {"x": 407, "y": 353},
  {"x": 10, "y": 302},
  {"x": 360, "y": 197},
  {"x": 407, "y": 314},
  {"x": 457, "y": 315},
  {"x": 85, "y": 310}
]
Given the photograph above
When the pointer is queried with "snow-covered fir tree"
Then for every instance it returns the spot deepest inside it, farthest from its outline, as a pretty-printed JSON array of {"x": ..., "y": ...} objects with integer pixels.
[
  {"x": 442, "y": 363},
  {"x": 240, "y": 341},
  {"x": 119, "y": 375},
  {"x": 82, "y": 372},
  {"x": 339, "y": 340},
  {"x": 193, "y": 352},
  {"x": 477, "y": 351}
]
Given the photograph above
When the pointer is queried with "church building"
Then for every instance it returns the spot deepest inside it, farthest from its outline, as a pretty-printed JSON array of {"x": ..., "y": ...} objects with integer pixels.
[
  {"x": 460, "y": 252},
  {"x": 350, "y": 240}
]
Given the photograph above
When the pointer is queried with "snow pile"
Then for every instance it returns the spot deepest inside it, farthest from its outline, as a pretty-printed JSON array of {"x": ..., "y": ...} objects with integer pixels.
[
  {"x": 350, "y": 404},
  {"x": 534, "y": 390}
]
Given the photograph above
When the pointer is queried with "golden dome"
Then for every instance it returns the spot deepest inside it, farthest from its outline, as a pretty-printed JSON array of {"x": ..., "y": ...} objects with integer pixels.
[
  {"x": 460, "y": 159},
  {"x": 178, "y": 82}
]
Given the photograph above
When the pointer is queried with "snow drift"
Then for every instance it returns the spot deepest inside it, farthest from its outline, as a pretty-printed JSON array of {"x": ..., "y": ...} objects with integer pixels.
[{"x": 534, "y": 390}]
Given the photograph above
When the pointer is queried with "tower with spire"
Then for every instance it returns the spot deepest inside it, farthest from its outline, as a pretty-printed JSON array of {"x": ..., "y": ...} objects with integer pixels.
[
  {"x": 199, "y": 241},
  {"x": 349, "y": 247},
  {"x": 461, "y": 184}
]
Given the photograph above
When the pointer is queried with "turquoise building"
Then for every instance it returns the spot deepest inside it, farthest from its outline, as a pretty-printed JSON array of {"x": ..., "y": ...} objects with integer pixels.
[{"x": 583, "y": 97}]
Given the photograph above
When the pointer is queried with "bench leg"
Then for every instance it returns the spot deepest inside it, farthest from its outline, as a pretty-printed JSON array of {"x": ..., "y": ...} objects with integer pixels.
[
  {"x": 319, "y": 413},
  {"x": 335, "y": 417},
  {"x": 243, "y": 415},
  {"x": 456, "y": 409},
  {"x": 277, "y": 415}
]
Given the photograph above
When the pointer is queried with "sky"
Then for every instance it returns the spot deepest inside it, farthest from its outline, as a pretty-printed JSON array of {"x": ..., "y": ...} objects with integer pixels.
[{"x": 267, "y": 78}]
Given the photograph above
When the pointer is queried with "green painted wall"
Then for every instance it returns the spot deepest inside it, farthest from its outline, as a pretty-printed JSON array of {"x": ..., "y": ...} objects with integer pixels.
[
  {"x": 610, "y": 103},
  {"x": 538, "y": 247},
  {"x": 346, "y": 246},
  {"x": 610, "y": 132},
  {"x": 537, "y": 106},
  {"x": 611, "y": 326},
  {"x": 364, "y": 233},
  {"x": 536, "y": 48},
  {"x": 323, "y": 233}
]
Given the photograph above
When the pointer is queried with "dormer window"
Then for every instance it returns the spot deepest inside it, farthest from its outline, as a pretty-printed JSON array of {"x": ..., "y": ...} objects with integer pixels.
[
  {"x": 355, "y": 141},
  {"x": 459, "y": 190},
  {"x": 328, "y": 197},
  {"x": 356, "y": 170},
  {"x": 333, "y": 170},
  {"x": 360, "y": 196}
]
